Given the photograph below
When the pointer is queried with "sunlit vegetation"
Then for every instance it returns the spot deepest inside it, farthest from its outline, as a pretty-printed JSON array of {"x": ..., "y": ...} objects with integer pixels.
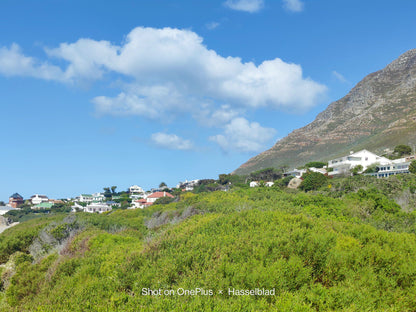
[{"x": 347, "y": 244}]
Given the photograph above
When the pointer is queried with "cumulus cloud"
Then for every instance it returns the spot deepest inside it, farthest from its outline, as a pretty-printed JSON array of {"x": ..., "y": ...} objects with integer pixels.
[
  {"x": 165, "y": 73},
  {"x": 293, "y": 5},
  {"x": 171, "y": 141},
  {"x": 168, "y": 70},
  {"x": 250, "y": 6},
  {"x": 14, "y": 63},
  {"x": 243, "y": 136}
]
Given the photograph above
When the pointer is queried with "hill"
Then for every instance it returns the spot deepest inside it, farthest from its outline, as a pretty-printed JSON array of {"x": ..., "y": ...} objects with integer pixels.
[
  {"x": 377, "y": 114},
  {"x": 346, "y": 247}
]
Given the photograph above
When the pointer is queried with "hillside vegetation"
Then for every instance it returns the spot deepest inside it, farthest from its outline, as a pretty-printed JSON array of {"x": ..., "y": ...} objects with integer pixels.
[{"x": 348, "y": 246}]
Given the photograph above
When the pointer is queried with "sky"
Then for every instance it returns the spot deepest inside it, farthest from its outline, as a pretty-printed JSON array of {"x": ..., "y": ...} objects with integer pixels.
[{"x": 102, "y": 93}]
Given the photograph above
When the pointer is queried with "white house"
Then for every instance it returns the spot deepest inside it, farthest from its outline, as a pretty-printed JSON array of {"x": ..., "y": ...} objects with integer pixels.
[
  {"x": 155, "y": 196},
  {"x": 397, "y": 166},
  {"x": 254, "y": 183},
  {"x": 135, "y": 189},
  {"x": 97, "y": 207},
  {"x": 187, "y": 185},
  {"x": 364, "y": 158},
  {"x": 297, "y": 173},
  {"x": 85, "y": 198},
  {"x": 139, "y": 203},
  {"x": 37, "y": 199},
  {"x": 98, "y": 197}
]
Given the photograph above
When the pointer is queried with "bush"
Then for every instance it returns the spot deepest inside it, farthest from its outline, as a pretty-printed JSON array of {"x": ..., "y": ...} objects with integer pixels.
[
  {"x": 412, "y": 167},
  {"x": 313, "y": 181}
]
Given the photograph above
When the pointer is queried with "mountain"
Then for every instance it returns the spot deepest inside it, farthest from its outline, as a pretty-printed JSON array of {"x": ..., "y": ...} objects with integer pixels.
[{"x": 377, "y": 114}]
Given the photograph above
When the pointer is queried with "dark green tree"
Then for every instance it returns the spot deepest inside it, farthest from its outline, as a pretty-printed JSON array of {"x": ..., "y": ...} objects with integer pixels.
[
  {"x": 315, "y": 164},
  {"x": 356, "y": 169},
  {"x": 162, "y": 185},
  {"x": 113, "y": 189},
  {"x": 313, "y": 181},
  {"x": 107, "y": 192},
  {"x": 402, "y": 150}
]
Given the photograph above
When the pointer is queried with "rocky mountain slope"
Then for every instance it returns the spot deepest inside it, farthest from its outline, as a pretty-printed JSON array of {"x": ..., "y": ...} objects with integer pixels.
[{"x": 377, "y": 114}]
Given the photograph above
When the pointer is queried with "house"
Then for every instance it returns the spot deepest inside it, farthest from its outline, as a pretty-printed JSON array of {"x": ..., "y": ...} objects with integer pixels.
[
  {"x": 112, "y": 203},
  {"x": 15, "y": 200},
  {"x": 98, "y": 197},
  {"x": 297, "y": 173},
  {"x": 254, "y": 183},
  {"x": 139, "y": 203},
  {"x": 85, "y": 198},
  {"x": 397, "y": 166},
  {"x": 135, "y": 189},
  {"x": 37, "y": 199},
  {"x": 155, "y": 196},
  {"x": 344, "y": 164},
  {"x": 43, "y": 205},
  {"x": 97, "y": 207},
  {"x": 187, "y": 185}
]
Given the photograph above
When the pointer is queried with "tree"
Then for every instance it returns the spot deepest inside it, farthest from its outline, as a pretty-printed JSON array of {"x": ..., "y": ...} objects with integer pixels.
[
  {"x": 113, "y": 189},
  {"x": 402, "y": 149},
  {"x": 312, "y": 181},
  {"x": 412, "y": 167},
  {"x": 267, "y": 174},
  {"x": 357, "y": 169},
  {"x": 163, "y": 200},
  {"x": 372, "y": 168},
  {"x": 315, "y": 164},
  {"x": 107, "y": 192},
  {"x": 162, "y": 184}
]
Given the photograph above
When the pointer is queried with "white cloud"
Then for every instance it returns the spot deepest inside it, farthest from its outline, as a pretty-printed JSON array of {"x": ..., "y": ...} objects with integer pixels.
[
  {"x": 293, "y": 5},
  {"x": 212, "y": 25},
  {"x": 14, "y": 63},
  {"x": 169, "y": 72},
  {"x": 243, "y": 136},
  {"x": 339, "y": 76},
  {"x": 250, "y": 6},
  {"x": 171, "y": 141}
]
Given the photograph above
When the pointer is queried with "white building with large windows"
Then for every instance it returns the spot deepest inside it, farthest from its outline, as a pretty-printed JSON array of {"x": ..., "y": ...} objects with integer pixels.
[
  {"x": 343, "y": 165},
  {"x": 37, "y": 199},
  {"x": 135, "y": 189}
]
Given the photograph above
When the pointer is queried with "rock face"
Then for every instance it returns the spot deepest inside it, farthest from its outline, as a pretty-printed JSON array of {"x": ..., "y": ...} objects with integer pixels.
[
  {"x": 377, "y": 114},
  {"x": 4, "y": 221}
]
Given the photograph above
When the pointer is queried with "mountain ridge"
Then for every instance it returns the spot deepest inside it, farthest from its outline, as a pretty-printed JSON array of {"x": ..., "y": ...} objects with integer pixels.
[{"x": 377, "y": 114}]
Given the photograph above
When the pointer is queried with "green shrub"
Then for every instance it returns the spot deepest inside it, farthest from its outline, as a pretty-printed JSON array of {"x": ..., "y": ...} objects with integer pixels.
[{"x": 313, "y": 181}]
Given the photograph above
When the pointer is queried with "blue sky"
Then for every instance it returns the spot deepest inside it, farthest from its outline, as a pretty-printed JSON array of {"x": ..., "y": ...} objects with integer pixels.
[{"x": 101, "y": 93}]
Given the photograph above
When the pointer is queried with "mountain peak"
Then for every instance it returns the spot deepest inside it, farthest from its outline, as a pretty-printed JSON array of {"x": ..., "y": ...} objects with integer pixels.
[{"x": 377, "y": 114}]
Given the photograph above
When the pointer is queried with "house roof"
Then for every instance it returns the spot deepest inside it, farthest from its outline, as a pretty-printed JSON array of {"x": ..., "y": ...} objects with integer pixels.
[
  {"x": 16, "y": 196},
  {"x": 39, "y": 196},
  {"x": 86, "y": 195},
  {"x": 43, "y": 205},
  {"x": 160, "y": 194}
]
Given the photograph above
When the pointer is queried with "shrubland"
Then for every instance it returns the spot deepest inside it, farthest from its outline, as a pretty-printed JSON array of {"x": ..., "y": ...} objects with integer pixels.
[{"x": 347, "y": 244}]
